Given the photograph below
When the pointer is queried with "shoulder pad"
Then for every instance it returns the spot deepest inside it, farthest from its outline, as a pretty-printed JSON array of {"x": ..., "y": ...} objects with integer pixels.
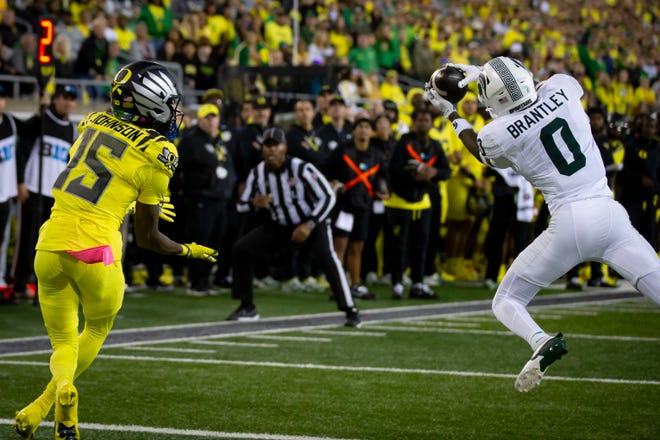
[{"x": 160, "y": 151}]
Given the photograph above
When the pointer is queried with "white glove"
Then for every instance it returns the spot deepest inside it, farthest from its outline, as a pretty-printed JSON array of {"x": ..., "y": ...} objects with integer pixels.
[
  {"x": 437, "y": 101},
  {"x": 471, "y": 73}
]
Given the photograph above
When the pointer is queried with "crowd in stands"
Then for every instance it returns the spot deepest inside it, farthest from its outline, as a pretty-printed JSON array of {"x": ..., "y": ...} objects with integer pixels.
[
  {"x": 592, "y": 39},
  {"x": 611, "y": 47}
]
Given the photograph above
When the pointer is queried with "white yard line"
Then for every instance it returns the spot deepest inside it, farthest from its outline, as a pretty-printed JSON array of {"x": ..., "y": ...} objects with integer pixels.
[
  {"x": 468, "y": 318},
  {"x": 26, "y": 363},
  {"x": 234, "y": 344},
  {"x": 172, "y": 349},
  {"x": 345, "y": 333},
  {"x": 563, "y": 311},
  {"x": 176, "y": 340},
  {"x": 289, "y": 338},
  {"x": 370, "y": 369},
  {"x": 602, "y": 309},
  {"x": 423, "y": 323},
  {"x": 548, "y": 317},
  {"x": 403, "y": 328},
  {"x": 184, "y": 432}
]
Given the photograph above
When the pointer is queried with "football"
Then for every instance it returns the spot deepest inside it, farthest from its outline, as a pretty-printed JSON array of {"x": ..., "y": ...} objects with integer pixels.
[{"x": 445, "y": 82}]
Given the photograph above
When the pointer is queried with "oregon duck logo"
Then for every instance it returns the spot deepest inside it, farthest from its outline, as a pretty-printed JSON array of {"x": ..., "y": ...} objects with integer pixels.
[
  {"x": 121, "y": 78},
  {"x": 169, "y": 159}
]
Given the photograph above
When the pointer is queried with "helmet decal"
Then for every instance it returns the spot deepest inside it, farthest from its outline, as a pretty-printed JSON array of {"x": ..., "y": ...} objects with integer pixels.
[
  {"x": 505, "y": 86},
  {"x": 146, "y": 93},
  {"x": 507, "y": 78}
]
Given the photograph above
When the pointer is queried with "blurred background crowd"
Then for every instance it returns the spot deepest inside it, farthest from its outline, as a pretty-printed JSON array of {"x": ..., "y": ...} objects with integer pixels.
[
  {"x": 611, "y": 46},
  {"x": 316, "y": 66}
]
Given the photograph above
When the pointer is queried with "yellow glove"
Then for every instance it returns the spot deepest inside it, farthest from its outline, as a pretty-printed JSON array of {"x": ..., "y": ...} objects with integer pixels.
[
  {"x": 166, "y": 209},
  {"x": 194, "y": 250}
]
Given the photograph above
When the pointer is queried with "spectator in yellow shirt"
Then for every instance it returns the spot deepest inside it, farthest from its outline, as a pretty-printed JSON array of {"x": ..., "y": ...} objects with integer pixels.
[
  {"x": 125, "y": 34},
  {"x": 341, "y": 38},
  {"x": 624, "y": 94},
  {"x": 390, "y": 88},
  {"x": 279, "y": 31},
  {"x": 645, "y": 98}
]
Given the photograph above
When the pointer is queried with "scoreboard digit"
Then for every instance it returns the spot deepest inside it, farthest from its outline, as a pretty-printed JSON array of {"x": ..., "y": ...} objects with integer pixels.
[{"x": 46, "y": 41}]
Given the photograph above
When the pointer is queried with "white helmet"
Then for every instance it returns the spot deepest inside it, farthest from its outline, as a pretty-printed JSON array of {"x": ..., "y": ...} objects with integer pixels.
[{"x": 506, "y": 86}]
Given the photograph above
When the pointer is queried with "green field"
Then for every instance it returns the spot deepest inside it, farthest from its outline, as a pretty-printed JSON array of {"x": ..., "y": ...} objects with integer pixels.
[{"x": 446, "y": 376}]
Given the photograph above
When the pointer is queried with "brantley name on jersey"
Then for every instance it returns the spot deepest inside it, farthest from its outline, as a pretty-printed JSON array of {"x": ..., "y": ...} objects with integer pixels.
[{"x": 537, "y": 113}]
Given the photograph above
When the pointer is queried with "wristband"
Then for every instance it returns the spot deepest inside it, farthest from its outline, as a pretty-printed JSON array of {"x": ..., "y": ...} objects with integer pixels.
[
  {"x": 185, "y": 251},
  {"x": 460, "y": 125}
]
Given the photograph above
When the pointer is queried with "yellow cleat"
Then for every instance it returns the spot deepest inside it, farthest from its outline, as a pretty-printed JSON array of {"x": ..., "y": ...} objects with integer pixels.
[
  {"x": 66, "y": 413},
  {"x": 28, "y": 420}
]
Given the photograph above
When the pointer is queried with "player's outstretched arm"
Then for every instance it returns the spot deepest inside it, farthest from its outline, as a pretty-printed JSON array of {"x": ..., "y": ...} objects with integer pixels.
[
  {"x": 149, "y": 237},
  {"x": 462, "y": 127}
]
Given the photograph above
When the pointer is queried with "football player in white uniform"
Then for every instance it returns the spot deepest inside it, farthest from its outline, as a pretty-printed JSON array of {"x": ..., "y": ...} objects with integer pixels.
[{"x": 542, "y": 132}]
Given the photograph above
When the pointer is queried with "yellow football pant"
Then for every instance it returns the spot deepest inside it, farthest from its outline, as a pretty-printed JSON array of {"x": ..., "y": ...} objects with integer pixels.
[{"x": 65, "y": 284}]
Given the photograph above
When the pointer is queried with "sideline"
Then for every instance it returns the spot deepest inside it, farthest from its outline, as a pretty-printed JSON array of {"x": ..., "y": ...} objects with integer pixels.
[
  {"x": 183, "y": 432},
  {"x": 182, "y": 332}
]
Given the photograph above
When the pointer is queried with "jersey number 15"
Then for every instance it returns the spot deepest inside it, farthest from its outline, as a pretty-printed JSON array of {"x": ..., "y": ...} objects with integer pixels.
[{"x": 90, "y": 144}]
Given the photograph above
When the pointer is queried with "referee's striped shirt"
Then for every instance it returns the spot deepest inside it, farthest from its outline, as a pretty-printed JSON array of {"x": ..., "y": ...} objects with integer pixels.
[{"x": 300, "y": 192}]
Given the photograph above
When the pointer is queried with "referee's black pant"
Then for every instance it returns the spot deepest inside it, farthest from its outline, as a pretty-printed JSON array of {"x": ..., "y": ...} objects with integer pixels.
[
  {"x": 410, "y": 236},
  {"x": 205, "y": 225},
  {"x": 34, "y": 212},
  {"x": 269, "y": 238}
]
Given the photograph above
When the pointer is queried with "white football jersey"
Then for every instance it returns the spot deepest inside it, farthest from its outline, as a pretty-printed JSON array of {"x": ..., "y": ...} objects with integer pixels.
[
  {"x": 57, "y": 140},
  {"x": 8, "y": 182},
  {"x": 549, "y": 144}
]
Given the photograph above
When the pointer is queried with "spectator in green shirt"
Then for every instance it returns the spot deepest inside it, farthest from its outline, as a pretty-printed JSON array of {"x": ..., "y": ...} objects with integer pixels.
[
  {"x": 387, "y": 46},
  {"x": 364, "y": 55},
  {"x": 158, "y": 19}
]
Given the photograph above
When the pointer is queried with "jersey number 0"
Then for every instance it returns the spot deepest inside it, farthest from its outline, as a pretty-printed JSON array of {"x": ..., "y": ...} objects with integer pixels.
[
  {"x": 548, "y": 141},
  {"x": 90, "y": 144}
]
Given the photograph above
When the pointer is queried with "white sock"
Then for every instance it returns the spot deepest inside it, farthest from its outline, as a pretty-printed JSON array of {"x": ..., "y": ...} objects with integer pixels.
[
  {"x": 538, "y": 339},
  {"x": 509, "y": 307}
]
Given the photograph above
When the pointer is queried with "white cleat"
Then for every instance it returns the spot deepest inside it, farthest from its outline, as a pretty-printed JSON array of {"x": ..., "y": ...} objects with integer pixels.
[{"x": 532, "y": 373}]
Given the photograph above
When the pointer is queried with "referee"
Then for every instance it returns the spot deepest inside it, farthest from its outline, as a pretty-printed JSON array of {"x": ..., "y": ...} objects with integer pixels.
[{"x": 299, "y": 200}]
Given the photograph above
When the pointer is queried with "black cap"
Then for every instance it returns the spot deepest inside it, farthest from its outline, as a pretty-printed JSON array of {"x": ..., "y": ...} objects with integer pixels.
[
  {"x": 274, "y": 134},
  {"x": 260, "y": 102},
  {"x": 338, "y": 99},
  {"x": 390, "y": 105},
  {"x": 361, "y": 119},
  {"x": 596, "y": 110},
  {"x": 66, "y": 90},
  {"x": 325, "y": 89},
  {"x": 213, "y": 95}
]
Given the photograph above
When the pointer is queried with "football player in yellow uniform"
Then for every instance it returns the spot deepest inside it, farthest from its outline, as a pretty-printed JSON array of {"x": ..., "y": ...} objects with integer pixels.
[{"x": 120, "y": 157}]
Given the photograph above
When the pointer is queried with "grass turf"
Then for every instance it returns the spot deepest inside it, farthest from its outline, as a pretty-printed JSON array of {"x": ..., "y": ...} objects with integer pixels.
[{"x": 394, "y": 386}]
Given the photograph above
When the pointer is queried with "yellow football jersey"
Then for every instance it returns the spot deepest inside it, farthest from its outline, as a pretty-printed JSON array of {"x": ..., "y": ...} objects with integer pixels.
[{"x": 112, "y": 163}]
